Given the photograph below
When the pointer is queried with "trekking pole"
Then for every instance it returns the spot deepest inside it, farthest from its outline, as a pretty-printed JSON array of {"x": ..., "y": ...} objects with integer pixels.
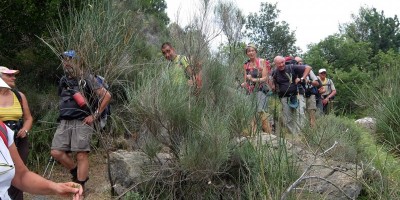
[{"x": 51, "y": 162}]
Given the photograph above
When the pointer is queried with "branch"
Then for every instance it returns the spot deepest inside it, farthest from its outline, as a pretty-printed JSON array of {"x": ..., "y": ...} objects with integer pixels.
[{"x": 330, "y": 148}]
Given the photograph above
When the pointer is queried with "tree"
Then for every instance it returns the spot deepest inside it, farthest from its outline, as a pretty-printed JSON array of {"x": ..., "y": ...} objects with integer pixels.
[
  {"x": 371, "y": 26},
  {"x": 336, "y": 52},
  {"x": 271, "y": 37},
  {"x": 231, "y": 20}
]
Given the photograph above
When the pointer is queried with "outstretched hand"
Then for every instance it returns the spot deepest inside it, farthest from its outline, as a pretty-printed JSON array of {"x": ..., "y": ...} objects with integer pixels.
[{"x": 66, "y": 189}]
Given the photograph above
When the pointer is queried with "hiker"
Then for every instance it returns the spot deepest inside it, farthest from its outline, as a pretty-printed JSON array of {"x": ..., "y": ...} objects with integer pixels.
[
  {"x": 328, "y": 94},
  {"x": 288, "y": 77},
  {"x": 311, "y": 93},
  {"x": 256, "y": 79},
  {"x": 82, "y": 100},
  {"x": 179, "y": 63},
  {"x": 14, "y": 172},
  {"x": 15, "y": 113}
]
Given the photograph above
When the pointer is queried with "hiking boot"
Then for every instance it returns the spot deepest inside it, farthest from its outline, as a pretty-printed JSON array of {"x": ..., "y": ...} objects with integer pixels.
[
  {"x": 82, "y": 183},
  {"x": 74, "y": 173}
]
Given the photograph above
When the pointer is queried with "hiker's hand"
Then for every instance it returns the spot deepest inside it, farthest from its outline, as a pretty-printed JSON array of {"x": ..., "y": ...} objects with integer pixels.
[
  {"x": 325, "y": 101},
  {"x": 89, "y": 120},
  {"x": 66, "y": 189},
  {"x": 22, "y": 133},
  {"x": 321, "y": 90},
  {"x": 248, "y": 77}
]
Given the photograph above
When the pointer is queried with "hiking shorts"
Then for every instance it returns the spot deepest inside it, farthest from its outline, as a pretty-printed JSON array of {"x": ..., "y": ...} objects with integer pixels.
[
  {"x": 311, "y": 103},
  {"x": 262, "y": 102},
  {"x": 72, "y": 135}
]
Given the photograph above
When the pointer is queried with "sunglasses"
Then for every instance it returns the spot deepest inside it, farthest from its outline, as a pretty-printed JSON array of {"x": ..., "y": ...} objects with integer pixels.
[
  {"x": 322, "y": 73},
  {"x": 9, "y": 75}
]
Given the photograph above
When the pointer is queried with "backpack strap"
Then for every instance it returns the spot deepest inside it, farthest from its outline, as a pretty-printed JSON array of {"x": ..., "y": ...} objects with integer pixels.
[
  {"x": 3, "y": 133},
  {"x": 18, "y": 95}
]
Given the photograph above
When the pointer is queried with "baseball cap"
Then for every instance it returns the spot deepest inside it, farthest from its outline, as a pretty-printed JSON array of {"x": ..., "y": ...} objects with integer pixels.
[
  {"x": 3, "y": 84},
  {"x": 5, "y": 70},
  {"x": 321, "y": 70},
  {"x": 69, "y": 53}
]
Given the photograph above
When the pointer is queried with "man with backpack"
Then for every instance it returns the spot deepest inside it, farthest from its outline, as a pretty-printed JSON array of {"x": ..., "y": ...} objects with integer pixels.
[
  {"x": 288, "y": 78},
  {"x": 82, "y": 100},
  {"x": 312, "y": 86},
  {"x": 329, "y": 93},
  {"x": 178, "y": 64}
]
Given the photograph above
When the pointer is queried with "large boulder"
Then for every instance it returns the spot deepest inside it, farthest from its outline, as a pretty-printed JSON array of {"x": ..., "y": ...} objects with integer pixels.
[{"x": 128, "y": 167}]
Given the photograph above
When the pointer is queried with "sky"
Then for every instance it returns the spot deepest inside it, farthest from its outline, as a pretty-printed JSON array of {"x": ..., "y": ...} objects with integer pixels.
[{"x": 311, "y": 20}]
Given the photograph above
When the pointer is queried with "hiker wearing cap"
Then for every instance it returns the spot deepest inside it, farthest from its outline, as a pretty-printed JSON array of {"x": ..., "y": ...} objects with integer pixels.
[
  {"x": 82, "y": 100},
  {"x": 13, "y": 171},
  {"x": 15, "y": 113},
  {"x": 288, "y": 78},
  {"x": 181, "y": 71},
  {"x": 328, "y": 94},
  {"x": 256, "y": 80}
]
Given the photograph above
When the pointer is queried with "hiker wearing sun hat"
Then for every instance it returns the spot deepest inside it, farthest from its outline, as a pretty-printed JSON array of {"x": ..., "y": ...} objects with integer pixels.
[
  {"x": 256, "y": 81},
  {"x": 15, "y": 113}
]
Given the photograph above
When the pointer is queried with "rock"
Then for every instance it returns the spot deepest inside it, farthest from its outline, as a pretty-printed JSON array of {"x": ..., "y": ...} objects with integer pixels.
[
  {"x": 368, "y": 123},
  {"x": 128, "y": 167}
]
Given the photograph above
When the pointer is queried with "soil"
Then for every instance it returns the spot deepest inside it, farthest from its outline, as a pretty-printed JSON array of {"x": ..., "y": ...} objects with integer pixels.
[{"x": 97, "y": 187}]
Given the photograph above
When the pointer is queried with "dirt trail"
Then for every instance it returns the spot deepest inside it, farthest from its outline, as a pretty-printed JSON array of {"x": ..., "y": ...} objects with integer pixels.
[{"x": 98, "y": 187}]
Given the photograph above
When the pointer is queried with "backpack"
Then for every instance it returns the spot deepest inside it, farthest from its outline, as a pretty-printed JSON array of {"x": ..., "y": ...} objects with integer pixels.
[
  {"x": 329, "y": 83},
  {"x": 3, "y": 133},
  {"x": 312, "y": 90},
  {"x": 68, "y": 87}
]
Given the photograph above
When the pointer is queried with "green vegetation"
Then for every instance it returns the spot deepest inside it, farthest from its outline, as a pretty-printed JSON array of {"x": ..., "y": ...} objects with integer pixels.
[{"x": 120, "y": 40}]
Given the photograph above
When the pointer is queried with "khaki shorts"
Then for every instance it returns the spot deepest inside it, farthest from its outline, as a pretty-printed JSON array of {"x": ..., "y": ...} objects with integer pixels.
[
  {"x": 311, "y": 103},
  {"x": 72, "y": 135}
]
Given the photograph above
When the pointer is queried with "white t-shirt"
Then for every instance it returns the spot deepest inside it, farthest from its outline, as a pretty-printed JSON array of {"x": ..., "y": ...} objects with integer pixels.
[{"x": 7, "y": 168}]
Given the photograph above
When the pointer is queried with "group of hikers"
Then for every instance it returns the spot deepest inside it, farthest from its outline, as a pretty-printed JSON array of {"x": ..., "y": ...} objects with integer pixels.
[
  {"x": 83, "y": 100},
  {"x": 300, "y": 91}
]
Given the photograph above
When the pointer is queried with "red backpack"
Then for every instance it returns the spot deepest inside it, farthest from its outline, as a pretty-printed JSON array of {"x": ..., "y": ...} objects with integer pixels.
[{"x": 3, "y": 133}]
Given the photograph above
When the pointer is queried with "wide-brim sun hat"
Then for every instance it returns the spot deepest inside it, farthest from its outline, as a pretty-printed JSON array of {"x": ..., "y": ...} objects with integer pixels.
[
  {"x": 3, "y": 84},
  {"x": 5, "y": 70}
]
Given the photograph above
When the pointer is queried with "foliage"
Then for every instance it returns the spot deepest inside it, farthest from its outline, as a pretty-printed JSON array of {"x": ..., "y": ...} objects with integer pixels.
[
  {"x": 382, "y": 33},
  {"x": 347, "y": 64},
  {"x": 330, "y": 129},
  {"x": 201, "y": 132},
  {"x": 231, "y": 20},
  {"x": 382, "y": 99},
  {"x": 40, "y": 140},
  {"x": 271, "y": 36}
]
